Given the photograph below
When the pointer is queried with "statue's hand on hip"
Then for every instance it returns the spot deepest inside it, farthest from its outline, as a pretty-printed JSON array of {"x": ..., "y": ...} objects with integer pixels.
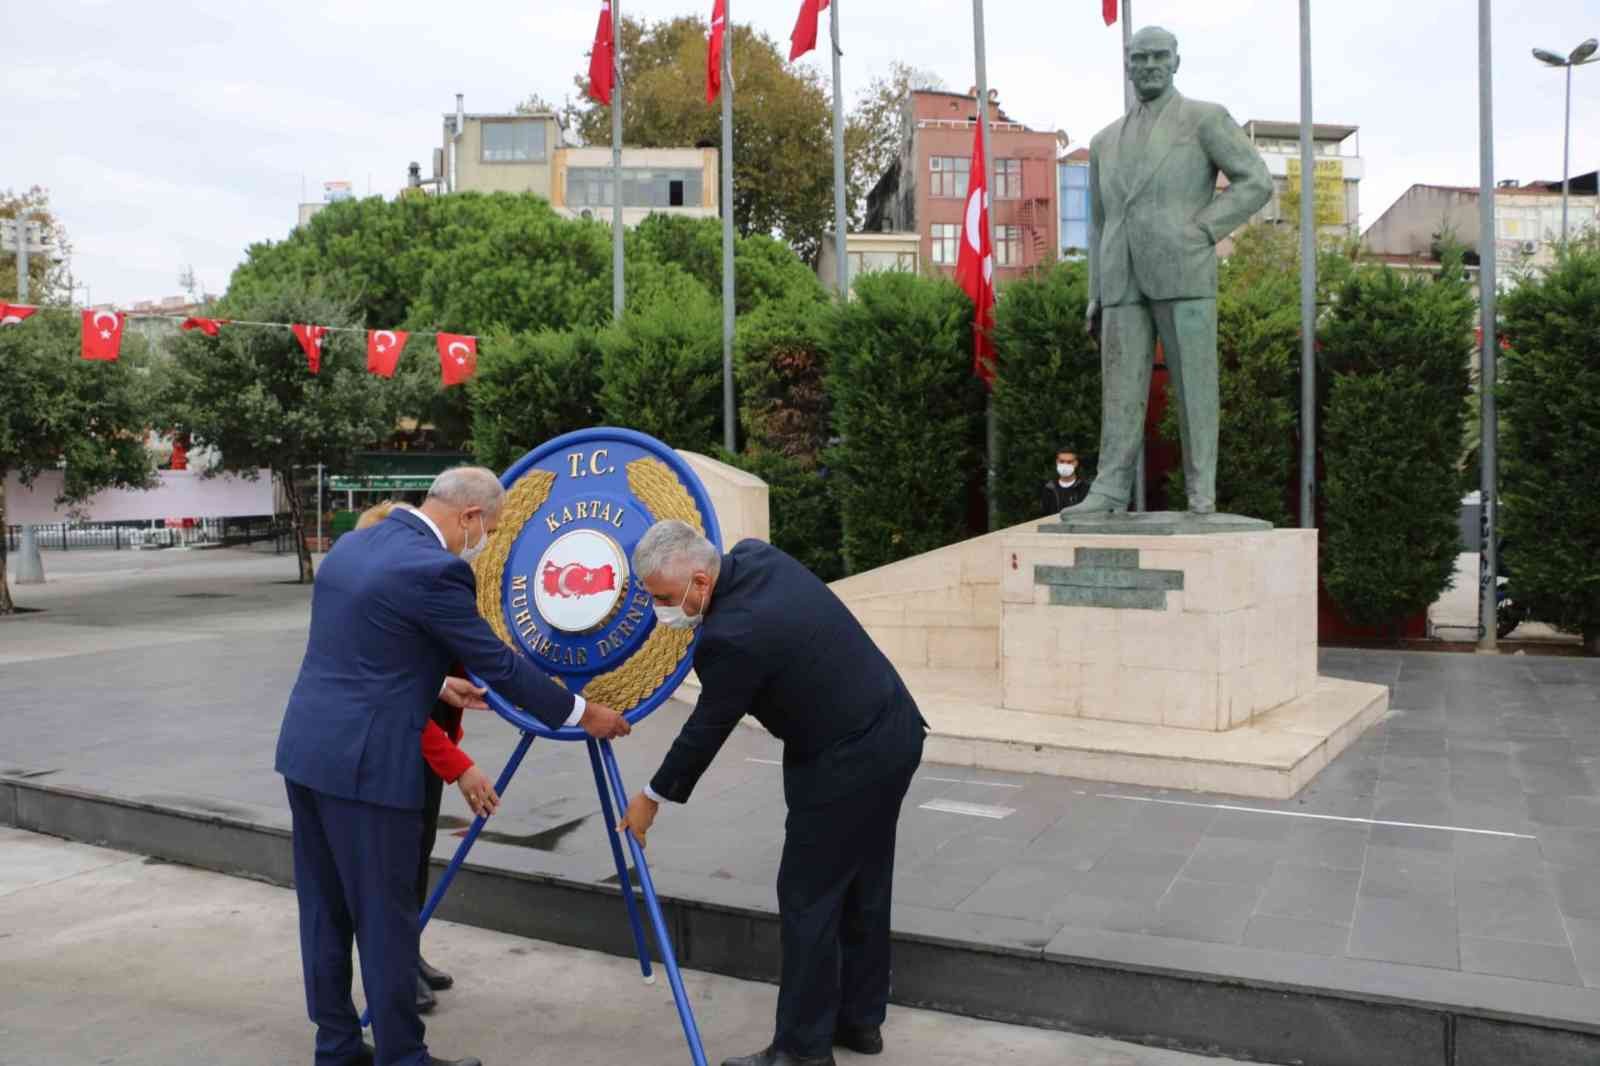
[{"x": 1092, "y": 320}]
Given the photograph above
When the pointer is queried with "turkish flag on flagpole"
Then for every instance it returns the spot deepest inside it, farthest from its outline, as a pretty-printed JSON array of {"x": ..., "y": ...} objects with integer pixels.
[
  {"x": 804, "y": 37},
  {"x": 719, "y": 24},
  {"x": 102, "y": 335},
  {"x": 383, "y": 350},
  {"x": 458, "y": 357},
  {"x": 211, "y": 327},
  {"x": 1108, "y": 8},
  {"x": 310, "y": 338},
  {"x": 601, "y": 57},
  {"x": 11, "y": 314},
  {"x": 975, "y": 262}
]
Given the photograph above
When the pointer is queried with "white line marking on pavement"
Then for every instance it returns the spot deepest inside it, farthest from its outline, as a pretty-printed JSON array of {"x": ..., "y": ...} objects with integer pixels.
[
  {"x": 975, "y": 810},
  {"x": 766, "y": 762},
  {"x": 1322, "y": 817},
  {"x": 964, "y": 781}
]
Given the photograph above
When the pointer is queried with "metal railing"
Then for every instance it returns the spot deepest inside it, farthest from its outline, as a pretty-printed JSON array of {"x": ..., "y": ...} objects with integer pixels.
[{"x": 117, "y": 536}]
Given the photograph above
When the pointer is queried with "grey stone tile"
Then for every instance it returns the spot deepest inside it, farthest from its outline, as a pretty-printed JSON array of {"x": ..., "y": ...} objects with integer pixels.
[
  {"x": 1406, "y": 931},
  {"x": 1341, "y": 845},
  {"x": 1557, "y": 780},
  {"x": 1584, "y": 936},
  {"x": 1570, "y": 847},
  {"x": 1293, "y": 934},
  {"x": 1313, "y": 893},
  {"x": 1222, "y": 860},
  {"x": 1200, "y": 910},
  {"x": 1408, "y": 873},
  {"x": 1396, "y": 836},
  {"x": 1426, "y": 811},
  {"x": 1105, "y": 912},
  {"x": 1577, "y": 891},
  {"x": 1503, "y": 814},
  {"x": 1521, "y": 909},
  {"x": 1018, "y": 892},
  {"x": 1488, "y": 858},
  {"x": 1134, "y": 888},
  {"x": 1133, "y": 861},
  {"x": 1517, "y": 958},
  {"x": 1242, "y": 825},
  {"x": 1416, "y": 742}
]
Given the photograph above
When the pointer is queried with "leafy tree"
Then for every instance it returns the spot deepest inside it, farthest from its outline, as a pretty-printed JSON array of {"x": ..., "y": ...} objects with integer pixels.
[
  {"x": 1396, "y": 351},
  {"x": 47, "y": 273},
  {"x": 250, "y": 395},
  {"x": 783, "y": 146},
  {"x": 661, "y": 366},
  {"x": 908, "y": 412},
  {"x": 764, "y": 269},
  {"x": 1550, "y": 429},
  {"x": 875, "y": 129},
  {"x": 1047, "y": 395},
  {"x": 61, "y": 410},
  {"x": 530, "y": 388}
]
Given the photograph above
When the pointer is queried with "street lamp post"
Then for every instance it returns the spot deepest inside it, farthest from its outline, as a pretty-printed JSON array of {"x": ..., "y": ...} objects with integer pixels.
[{"x": 1581, "y": 55}]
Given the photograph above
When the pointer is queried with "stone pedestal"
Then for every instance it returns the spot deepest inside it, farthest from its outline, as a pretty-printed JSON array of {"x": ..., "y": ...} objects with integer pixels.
[{"x": 1189, "y": 631}]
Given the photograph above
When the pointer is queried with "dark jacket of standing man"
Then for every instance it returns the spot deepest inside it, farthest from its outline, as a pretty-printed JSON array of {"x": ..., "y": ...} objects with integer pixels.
[
  {"x": 777, "y": 644},
  {"x": 393, "y": 606}
]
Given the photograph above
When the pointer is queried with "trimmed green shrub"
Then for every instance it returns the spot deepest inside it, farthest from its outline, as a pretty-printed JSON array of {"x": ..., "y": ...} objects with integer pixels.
[
  {"x": 530, "y": 388},
  {"x": 661, "y": 367},
  {"x": 1550, "y": 433},
  {"x": 1396, "y": 352},
  {"x": 1047, "y": 394},
  {"x": 909, "y": 414},
  {"x": 805, "y": 514}
]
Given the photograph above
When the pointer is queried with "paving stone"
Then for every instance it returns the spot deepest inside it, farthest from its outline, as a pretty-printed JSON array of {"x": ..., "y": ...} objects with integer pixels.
[
  {"x": 1293, "y": 934},
  {"x": 1200, "y": 910},
  {"x": 1313, "y": 893},
  {"x": 1584, "y": 935},
  {"x": 1577, "y": 891},
  {"x": 1406, "y": 931},
  {"x": 1518, "y": 958},
  {"x": 1409, "y": 873},
  {"x": 1240, "y": 862}
]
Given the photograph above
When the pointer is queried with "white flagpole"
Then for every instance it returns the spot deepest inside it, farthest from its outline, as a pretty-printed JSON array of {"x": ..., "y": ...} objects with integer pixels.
[
  {"x": 618, "y": 291},
  {"x": 841, "y": 224},
  {"x": 730, "y": 437}
]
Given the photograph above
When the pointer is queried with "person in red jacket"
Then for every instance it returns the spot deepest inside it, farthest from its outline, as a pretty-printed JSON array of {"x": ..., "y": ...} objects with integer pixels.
[{"x": 447, "y": 764}]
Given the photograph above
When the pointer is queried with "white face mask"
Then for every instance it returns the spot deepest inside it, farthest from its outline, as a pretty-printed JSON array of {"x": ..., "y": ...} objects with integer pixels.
[
  {"x": 1066, "y": 469},
  {"x": 674, "y": 617},
  {"x": 470, "y": 552}
]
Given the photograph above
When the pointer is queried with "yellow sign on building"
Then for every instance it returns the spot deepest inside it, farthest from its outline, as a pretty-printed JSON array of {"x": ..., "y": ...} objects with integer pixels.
[{"x": 1327, "y": 187}]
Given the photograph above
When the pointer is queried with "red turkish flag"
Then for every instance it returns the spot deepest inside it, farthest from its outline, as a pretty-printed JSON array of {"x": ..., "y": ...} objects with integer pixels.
[
  {"x": 310, "y": 338},
  {"x": 211, "y": 327},
  {"x": 975, "y": 263},
  {"x": 11, "y": 314},
  {"x": 458, "y": 357},
  {"x": 102, "y": 335},
  {"x": 1108, "y": 8},
  {"x": 719, "y": 24},
  {"x": 602, "y": 68},
  {"x": 383, "y": 350},
  {"x": 804, "y": 37}
]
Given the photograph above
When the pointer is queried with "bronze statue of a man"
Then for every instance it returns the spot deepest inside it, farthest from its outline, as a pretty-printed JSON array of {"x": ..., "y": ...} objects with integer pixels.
[{"x": 1155, "y": 217}]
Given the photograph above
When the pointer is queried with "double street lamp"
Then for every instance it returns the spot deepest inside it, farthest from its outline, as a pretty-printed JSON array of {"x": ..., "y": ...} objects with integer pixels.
[{"x": 1584, "y": 53}]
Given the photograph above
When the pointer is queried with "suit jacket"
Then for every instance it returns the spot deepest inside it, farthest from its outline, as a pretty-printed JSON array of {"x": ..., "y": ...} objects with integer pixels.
[
  {"x": 1155, "y": 220},
  {"x": 391, "y": 610},
  {"x": 776, "y": 643}
]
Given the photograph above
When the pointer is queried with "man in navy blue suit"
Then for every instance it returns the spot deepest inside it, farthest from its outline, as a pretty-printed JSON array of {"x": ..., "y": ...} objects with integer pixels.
[
  {"x": 776, "y": 643},
  {"x": 392, "y": 608}
]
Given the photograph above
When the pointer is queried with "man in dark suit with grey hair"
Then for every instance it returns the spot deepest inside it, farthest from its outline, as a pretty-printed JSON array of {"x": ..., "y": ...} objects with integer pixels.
[{"x": 777, "y": 644}]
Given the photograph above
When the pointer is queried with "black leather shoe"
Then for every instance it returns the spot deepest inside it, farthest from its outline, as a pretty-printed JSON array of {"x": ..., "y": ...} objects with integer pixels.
[
  {"x": 366, "y": 1056},
  {"x": 862, "y": 1039},
  {"x": 773, "y": 1057},
  {"x": 426, "y": 1000},
  {"x": 437, "y": 980},
  {"x": 452, "y": 1062}
]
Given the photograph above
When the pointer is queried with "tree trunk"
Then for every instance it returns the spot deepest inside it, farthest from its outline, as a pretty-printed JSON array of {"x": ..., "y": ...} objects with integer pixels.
[
  {"x": 1591, "y": 641},
  {"x": 297, "y": 525},
  {"x": 6, "y": 606}
]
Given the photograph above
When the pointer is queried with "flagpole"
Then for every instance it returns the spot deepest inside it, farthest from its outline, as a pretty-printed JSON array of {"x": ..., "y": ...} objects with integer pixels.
[
  {"x": 730, "y": 438},
  {"x": 991, "y": 420},
  {"x": 1308, "y": 282},
  {"x": 840, "y": 223},
  {"x": 1128, "y": 101},
  {"x": 617, "y": 286},
  {"x": 1488, "y": 559}
]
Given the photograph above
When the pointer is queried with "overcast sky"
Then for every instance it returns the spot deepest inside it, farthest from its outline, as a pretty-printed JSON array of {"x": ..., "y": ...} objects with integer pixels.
[{"x": 174, "y": 132}]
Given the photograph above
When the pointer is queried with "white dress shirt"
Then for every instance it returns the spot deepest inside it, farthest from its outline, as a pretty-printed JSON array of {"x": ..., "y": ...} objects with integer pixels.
[{"x": 579, "y": 704}]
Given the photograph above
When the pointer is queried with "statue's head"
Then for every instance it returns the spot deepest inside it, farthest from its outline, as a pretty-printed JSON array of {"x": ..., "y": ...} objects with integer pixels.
[{"x": 1152, "y": 61}]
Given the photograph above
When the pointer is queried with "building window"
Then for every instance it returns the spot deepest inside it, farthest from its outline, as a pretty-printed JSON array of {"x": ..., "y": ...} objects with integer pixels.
[
  {"x": 513, "y": 141},
  {"x": 946, "y": 243},
  {"x": 948, "y": 176},
  {"x": 1008, "y": 179},
  {"x": 641, "y": 187},
  {"x": 1074, "y": 206},
  {"x": 1008, "y": 246}
]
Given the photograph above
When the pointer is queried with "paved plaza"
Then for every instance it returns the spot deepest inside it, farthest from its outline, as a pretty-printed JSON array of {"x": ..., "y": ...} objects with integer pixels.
[{"x": 1453, "y": 853}]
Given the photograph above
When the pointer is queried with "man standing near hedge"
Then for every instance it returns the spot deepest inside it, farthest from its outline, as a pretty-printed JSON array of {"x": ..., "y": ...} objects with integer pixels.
[{"x": 1155, "y": 218}]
